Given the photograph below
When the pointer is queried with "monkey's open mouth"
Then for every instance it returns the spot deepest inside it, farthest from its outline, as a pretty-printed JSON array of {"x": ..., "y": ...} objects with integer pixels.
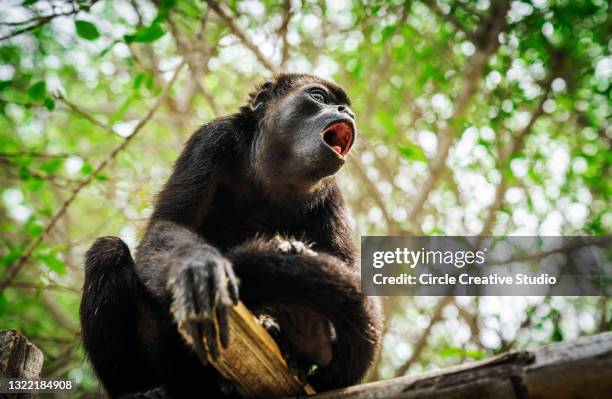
[{"x": 339, "y": 136}]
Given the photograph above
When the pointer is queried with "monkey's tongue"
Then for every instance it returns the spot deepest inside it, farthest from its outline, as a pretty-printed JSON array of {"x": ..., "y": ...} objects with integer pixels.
[{"x": 339, "y": 137}]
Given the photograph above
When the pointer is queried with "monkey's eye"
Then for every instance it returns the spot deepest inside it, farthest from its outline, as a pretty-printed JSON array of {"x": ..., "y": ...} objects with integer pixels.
[{"x": 319, "y": 95}]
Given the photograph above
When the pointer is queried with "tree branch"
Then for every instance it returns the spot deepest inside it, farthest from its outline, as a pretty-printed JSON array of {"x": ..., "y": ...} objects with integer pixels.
[
  {"x": 196, "y": 69},
  {"x": 517, "y": 146},
  {"x": 283, "y": 30},
  {"x": 39, "y": 21},
  {"x": 451, "y": 19},
  {"x": 237, "y": 30},
  {"x": 14, "y": 268},
  {"x": 420, "y": 343},
  {"x": 361, "y": 171},
  {"x": 487, "y": 43},
  {"x": 518, "y": 143},
  {"x": 573, "y": 245},
  {"x": 80, "y": 111}
]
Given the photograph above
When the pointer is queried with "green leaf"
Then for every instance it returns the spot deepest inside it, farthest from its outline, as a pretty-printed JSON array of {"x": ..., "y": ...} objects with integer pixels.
[
  {"x": 412, "y": 152},
  {"x": 53, "y": 263},
  {"x": 385, "y": 119},
  {"x": 34, "y": 230},
  {"x": 138, "y": 80},
  {"x": 452, "y": 351},
  {"x": 52, "y": 165},
  {"x": 34, "y": 184},
  {"x": 148, "y": 34},
  {"x": 4, "y": 84},
  {"x": 163, "y": 9},
  {"x": 11, "y": 257},
  {"x": 37, "y": 91},
  {"x": 86, "y": 169},
  {"x": 387, "y": 32},
  {"x": 49, "y": 103},
  {"x": 86, "y": 30},
  {"x": 149, "y": 82}
]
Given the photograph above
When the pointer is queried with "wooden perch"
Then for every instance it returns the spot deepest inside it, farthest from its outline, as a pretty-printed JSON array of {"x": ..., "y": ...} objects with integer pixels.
[
  {"x": 254, "y": 362},
  {"x": 574, "y": 369},
  {"x": 19, "y": 358}
]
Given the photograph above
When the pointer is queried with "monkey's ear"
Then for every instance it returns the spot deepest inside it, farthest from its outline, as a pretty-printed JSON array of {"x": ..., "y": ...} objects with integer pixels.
[{"x": 261, "y": 96}]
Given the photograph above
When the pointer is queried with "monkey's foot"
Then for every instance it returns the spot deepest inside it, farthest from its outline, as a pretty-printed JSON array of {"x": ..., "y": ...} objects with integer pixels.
[
  {"x": 293, "y": 246},
  {"x": 296, "y": 366}
]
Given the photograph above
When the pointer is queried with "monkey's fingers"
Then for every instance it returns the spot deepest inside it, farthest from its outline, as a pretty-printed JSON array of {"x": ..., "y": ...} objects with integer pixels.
[
  {"x": 221, "y": 301},
  {"x": 204, "y": 298},
  {"x": 195, "y": 331},
  {"x": 224, "y": 331},
  {"x": 185, "y": 310},
  {"x": 223, "y": 320},
  {"x": 232, "y": 282},
  {"x": 210, "y": 332}
]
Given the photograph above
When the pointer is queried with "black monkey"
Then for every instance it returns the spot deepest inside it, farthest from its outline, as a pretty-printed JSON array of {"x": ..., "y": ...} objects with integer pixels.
[{"x": 242, "y": 187}]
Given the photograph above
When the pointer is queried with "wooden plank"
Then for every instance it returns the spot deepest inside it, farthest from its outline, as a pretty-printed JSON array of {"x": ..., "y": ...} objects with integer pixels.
[
  {"x": 254, "y": 362},
  {"x": 581, "y": 368}
]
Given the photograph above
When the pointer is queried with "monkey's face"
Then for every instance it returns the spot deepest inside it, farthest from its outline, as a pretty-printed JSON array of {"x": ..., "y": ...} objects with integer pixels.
[{"x": 305, "y": 137}]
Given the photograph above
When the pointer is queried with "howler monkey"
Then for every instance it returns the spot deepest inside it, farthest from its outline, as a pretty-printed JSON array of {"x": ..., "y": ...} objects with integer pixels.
[{"x": 251, "y": 202}]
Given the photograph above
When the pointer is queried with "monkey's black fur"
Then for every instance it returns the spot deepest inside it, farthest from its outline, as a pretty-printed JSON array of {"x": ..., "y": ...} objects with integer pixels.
[{"x": 241, "y": 182}]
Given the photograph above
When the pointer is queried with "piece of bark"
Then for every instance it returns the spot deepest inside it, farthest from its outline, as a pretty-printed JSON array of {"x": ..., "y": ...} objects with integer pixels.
[
  {"x": 581, "y": 368},
  {"x": 253, "y": 361},
  {"x": 19, "y": 358}
]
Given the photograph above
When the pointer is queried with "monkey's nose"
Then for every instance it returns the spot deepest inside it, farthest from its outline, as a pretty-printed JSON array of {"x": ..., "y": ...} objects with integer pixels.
[{"x": 346, "y": 110}]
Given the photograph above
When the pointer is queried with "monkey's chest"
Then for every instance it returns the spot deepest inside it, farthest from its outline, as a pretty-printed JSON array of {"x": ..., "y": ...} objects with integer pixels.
[{"x": 229, "y": 223}]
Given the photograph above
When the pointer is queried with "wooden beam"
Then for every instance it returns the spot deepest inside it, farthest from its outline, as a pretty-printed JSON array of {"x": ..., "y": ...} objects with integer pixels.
[
  {"x": 581, "y": 368},
  {"x": 19, "y": 358},
  {"x": 254, "y": 362}
]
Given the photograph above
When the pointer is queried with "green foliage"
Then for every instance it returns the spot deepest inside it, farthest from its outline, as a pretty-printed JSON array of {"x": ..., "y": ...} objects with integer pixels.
[{"x": 52, "y": 262}]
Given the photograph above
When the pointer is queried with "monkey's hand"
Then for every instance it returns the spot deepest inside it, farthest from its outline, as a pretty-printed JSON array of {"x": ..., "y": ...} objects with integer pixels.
[{"x": 203, "y": 286}]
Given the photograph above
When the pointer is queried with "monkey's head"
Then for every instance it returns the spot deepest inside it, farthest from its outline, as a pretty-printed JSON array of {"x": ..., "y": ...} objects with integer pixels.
[{"x": 305, "y": 130}]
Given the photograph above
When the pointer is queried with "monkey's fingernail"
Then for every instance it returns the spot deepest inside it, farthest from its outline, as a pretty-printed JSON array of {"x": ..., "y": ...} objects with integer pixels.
[{"x": 234, "y": 294}]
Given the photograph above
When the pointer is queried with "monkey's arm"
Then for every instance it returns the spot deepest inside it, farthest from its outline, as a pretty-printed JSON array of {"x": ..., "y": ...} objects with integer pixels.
[{"x": 176, "y": 264}]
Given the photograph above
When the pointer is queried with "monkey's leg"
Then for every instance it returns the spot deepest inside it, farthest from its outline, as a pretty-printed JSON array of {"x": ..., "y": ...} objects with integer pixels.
[{"x": 112, "y": 305}]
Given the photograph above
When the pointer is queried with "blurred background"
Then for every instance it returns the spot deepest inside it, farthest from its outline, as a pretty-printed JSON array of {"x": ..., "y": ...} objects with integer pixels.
[{"x": 475, "y": 118}]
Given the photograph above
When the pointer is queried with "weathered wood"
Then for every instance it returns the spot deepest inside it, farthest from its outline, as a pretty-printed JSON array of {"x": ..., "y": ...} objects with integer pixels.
[
  {"x": 19, "y": 358},
  {"x": 574, "y": 369},
  {"x": 254, "y": 362}
]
